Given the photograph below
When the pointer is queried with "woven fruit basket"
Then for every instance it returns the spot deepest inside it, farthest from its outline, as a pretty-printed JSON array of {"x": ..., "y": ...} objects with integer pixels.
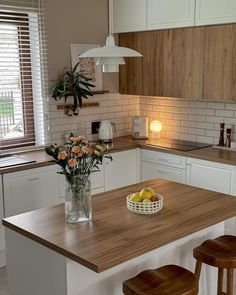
[{"x": 145, "y": 207}]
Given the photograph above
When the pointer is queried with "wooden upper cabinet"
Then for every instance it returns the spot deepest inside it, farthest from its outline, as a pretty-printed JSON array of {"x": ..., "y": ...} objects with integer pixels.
[
  {"x": 170, "y": 14},
  {"x": 220, "y": 63},
  {"x": 194, "y": 63},
  {"x": 215, "y": 11},
  {"x": 130, "y": 15}
]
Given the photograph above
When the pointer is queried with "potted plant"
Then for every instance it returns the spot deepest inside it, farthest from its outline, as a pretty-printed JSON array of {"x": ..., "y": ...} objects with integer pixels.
[{"x": 72, "y": 83}]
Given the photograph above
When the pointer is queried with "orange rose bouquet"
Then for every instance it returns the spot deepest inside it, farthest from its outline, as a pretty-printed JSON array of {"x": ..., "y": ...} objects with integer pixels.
[{"x": 78, "y": 157}]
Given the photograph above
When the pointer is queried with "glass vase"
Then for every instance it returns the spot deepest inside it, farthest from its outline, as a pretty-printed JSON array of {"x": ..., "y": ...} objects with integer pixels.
[{"x": 78, "y": 205}]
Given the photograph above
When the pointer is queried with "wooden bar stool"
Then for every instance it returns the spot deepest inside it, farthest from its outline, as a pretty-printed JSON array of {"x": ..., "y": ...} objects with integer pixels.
[
  {"x": 221, "y": 253},
  {"x": 166, "y": 280}
]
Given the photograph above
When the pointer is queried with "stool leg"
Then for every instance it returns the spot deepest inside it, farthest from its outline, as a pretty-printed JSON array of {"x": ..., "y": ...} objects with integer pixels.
[
  {"x": 220, "y": 281},
  {"x": 198, "y": 268},
  {"x": 230, "y": 276}
]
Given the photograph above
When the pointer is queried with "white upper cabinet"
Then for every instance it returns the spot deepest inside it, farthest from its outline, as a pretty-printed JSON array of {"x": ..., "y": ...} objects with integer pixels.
[
  {"x": 170, "y": 14},
  {"x": 141, "y": 15},
  {"x": 215, "y": 11},
  {"x": 129, "y": 15}
]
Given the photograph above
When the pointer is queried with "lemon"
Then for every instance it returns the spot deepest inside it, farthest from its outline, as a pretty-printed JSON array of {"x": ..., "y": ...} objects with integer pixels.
[
  {"x": 136, "y": 197},
  {"x": 147, "y": 193}
]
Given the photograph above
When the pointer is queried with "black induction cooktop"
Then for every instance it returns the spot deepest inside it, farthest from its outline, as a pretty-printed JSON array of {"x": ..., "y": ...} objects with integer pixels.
[{"x": 176, "y": 144}]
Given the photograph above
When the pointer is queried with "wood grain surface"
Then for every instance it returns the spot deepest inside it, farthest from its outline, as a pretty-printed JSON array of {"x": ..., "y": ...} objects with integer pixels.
[
  {"x": 116, "y": 235},
  {"x": 193, "y": 63},
  {"x": 125, "y": 143}
]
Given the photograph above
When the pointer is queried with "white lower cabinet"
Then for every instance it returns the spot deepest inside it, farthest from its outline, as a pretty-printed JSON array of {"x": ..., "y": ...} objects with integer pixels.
[
  {"x": 209, "y": 175},
  {"x": 31, "y": 189},
  {"x": 152, "y": 171},
  {"x": 123, "y": 170},
  {"x": 216, "y": 177},
  {"x": 162, "y": 165}
]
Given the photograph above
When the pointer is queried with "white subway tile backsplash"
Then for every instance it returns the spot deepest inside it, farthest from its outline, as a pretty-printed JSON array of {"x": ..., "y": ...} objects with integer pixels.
[
  {"x": 224, "y": 113},
  {"x": 189, "y": 124},
  {"x": 190, "y": 111},
  {"x": 199, "y": 120},
  {"x": 213, "y": 119},
  {"x": 215, "y": 105},
  {"x": 197, "y": 104},
  {"x": 212, "y": 133},
  {"x": 113, "y": 106},
  {"x": 206, "y": 112},
  {"x": 182, "y": 103},
  {"x": 189, "y": 137},
  {"x": 230, "y": 106},
  {"x": 197, "y": 131},
  {"x": 181, "y": 119},
  {"x": 204, "y": 125},
  {"x": 205, "y": 139}
]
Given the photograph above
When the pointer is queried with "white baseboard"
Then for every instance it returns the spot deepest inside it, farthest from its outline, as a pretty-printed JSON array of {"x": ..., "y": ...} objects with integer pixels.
[{"x": 2, "y": 258}]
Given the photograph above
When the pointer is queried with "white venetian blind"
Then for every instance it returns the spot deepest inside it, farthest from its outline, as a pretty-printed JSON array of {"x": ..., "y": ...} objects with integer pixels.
[{"x": 23, "y": 74}]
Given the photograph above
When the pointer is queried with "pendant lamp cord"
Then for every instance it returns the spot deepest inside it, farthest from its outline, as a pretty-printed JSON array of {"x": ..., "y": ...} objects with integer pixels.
[{"x": 111, "y": 17}]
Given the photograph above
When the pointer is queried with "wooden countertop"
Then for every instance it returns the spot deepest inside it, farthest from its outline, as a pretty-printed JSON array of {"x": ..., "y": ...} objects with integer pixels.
[
  {"x": 125, "y": 143},
  {"x": 116, "y": 235}
]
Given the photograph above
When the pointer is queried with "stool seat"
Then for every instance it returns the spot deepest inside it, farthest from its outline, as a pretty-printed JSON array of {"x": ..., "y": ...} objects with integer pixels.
[
  {"x": 167, "y": 280},
  {"x": 220, "y": 252}
]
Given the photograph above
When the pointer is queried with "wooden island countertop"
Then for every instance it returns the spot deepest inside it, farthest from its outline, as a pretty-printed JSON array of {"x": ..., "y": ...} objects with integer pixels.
[{"x": 116, "y": 235}]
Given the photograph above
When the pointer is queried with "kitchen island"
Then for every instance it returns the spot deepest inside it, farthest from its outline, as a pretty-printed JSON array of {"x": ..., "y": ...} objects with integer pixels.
[{"x": 47, "y": 256}]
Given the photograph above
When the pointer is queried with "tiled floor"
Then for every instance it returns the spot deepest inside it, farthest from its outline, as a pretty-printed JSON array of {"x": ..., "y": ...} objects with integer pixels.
[{"x": 3, "y": 281}]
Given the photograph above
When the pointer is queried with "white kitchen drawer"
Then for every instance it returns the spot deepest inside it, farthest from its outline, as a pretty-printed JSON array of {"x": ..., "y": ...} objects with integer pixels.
[
  {"x": 164, "y": 159},
  {"x": 30, "y": 190},
  {"x": 209, "y": 175},
  {"x": 153, "y": 171}
]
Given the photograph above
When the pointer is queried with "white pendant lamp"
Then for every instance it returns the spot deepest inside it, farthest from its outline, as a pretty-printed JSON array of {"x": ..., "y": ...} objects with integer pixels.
[{"x": 110, "y": 56}]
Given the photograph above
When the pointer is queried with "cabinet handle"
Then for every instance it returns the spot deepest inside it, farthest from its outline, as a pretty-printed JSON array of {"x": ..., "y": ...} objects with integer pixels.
[
  {"x": 162, "y": 160},
  {"x": 34, "y": 179},
  {"x": 162, "y": 172}
]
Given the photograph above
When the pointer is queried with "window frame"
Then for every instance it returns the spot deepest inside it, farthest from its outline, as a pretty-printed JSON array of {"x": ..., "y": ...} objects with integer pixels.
[{"x": 21, "y": 20}]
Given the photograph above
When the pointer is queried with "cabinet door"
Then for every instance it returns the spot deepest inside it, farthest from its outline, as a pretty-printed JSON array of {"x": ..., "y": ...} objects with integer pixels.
[
  {"x": 129, "y": 15},
  {"x": 31, "y": 189},
  {"x": 122, "y": 171},
  {"x": 170, "y": 14},
  {"x": 153, "y": 171},
  {"x": 215, "y": 11},
  {"x": 209, "y": 175}
]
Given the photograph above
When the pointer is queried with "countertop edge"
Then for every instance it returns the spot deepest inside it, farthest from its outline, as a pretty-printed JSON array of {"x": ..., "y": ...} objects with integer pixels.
[
  {"x": 127, "y": 143},
  {"x": 49, "y": 245}
]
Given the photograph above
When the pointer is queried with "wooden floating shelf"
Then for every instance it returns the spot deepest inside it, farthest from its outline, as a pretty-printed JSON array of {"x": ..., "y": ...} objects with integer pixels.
[
  {"x": 100, "y": 92},
  {"x": 84, "y": 105}
]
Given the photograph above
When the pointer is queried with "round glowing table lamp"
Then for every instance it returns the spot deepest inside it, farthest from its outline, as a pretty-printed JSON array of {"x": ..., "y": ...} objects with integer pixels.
[{"x": 156, "y": 127}]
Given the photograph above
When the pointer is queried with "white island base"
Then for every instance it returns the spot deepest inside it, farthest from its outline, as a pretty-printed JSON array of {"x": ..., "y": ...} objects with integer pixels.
[{"x": 35, "y": 269}]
